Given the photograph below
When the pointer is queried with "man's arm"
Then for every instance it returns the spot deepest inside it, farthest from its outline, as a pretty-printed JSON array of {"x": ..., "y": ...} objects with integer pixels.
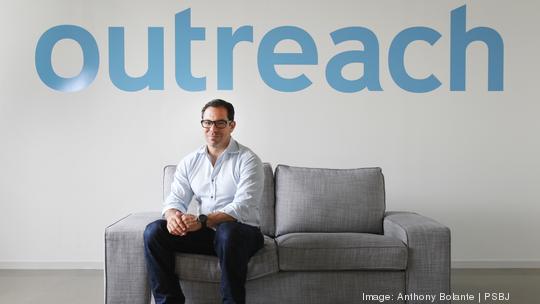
[
  {"x": 217, "y": 218},
  {"x": 181, "y": 192},
  {"x": 176, "y": 203},
  {"x": 248, "y": 194}
]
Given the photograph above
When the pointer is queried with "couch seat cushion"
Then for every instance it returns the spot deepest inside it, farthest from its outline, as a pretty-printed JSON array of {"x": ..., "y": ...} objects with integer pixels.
[
  {"x": 340, "y": 251},
  {"x": 205, "y": 268}
]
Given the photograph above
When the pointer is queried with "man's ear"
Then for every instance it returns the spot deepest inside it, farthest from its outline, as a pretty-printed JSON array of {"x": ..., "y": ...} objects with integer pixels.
[{"x": 233, "y": 125}]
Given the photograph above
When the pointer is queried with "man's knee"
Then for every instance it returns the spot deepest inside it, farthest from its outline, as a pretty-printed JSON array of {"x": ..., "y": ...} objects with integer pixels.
[
  {"x": 227, "y": 234},
  {"x": 154, "y": 230}
]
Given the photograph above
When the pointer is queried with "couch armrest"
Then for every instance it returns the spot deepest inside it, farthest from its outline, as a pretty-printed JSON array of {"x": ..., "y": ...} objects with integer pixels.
[
  {"x": 126, "y": 278},
  {"x": 428, "y": 242}
]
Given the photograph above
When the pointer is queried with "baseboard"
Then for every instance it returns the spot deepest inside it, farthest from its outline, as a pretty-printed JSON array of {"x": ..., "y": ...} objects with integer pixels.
[
  {"x": 496, "y": 264},
  {"x": 62, "y": 265}
]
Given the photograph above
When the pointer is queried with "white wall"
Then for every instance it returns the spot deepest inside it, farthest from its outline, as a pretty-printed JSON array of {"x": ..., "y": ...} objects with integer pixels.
[{"x": 72, "y": 163}]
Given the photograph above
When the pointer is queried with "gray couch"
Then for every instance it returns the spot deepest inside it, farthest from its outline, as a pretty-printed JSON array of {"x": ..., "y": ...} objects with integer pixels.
[{"x": 328, "y": 239}]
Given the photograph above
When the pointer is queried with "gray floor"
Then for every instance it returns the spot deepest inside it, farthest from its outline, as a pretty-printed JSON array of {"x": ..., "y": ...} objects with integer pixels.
[
  {"x": 521, "y": 285},
  {"x": 86, "y": 286},
  {"x": 51, "y": 286}
]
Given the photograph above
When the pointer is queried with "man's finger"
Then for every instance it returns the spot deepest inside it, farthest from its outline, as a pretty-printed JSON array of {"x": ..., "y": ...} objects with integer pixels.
[
  {"x": 176, "y": 231},
  {"x": 181, "y": 224},
  {"x": 180, "y": 232},
  {"x": 171, "y": 228},
  {"x": 178, "y": 221}
]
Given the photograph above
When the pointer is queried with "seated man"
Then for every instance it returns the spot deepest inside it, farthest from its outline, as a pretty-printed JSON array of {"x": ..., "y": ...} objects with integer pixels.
[{"x": 226, "y": 179}]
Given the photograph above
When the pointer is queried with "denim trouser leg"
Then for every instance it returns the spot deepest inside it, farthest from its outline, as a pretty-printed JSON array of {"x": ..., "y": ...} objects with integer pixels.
[
  {"x": 234, "y": 244},
  {"x": 159, "y": 249}
]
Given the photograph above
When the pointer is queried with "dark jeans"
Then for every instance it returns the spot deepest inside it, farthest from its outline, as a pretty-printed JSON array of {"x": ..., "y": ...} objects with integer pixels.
[{"x": 233, "y": 243}]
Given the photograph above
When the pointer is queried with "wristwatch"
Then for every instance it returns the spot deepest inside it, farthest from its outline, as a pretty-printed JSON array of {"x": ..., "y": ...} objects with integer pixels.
[{"x": 202, "y": 218}]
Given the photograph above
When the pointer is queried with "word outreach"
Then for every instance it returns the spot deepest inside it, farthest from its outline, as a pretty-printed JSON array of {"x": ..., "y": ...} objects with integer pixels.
[{"x": 268, "y": 58}]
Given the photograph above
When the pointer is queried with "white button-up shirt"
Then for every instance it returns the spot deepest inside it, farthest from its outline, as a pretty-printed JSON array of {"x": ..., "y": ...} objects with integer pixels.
[{"x": 234, "y": 185}]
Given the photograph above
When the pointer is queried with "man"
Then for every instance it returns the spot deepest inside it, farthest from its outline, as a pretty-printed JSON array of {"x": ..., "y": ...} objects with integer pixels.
[{"x": 226, "y": 179}]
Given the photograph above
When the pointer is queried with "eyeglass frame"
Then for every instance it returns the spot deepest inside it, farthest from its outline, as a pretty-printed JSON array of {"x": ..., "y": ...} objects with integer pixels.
[{"x": 213, "y": 123}]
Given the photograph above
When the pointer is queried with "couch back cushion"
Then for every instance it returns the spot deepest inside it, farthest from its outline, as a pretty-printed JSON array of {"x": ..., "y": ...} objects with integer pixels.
[
  {"x": 266, "y": 207},
  {"x": 168, "y": 177},
  {"x": 329, "y": 200}
]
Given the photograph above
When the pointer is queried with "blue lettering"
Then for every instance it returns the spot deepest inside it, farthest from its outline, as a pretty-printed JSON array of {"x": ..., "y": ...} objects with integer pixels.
[
  {"x": 226, "y": 42},
  {"x": 153, "y": 78},
  {"x": 44, "y": 67},
  {"x": 268, "y": 59},
  {"x": 460, "y": 38},
  {"x": 369, "y": 57},
  {"x": 183, "y": 36},
  {"x": 396, "y": 59}
]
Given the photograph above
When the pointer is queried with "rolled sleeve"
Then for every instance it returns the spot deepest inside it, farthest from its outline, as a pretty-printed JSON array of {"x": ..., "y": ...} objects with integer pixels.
[
  {"x": 181, "y": 192},
  {"x": 245, "y": 205}
]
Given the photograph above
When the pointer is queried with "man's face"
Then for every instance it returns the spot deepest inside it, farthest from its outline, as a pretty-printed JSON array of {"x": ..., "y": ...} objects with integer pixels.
[{"x": 216, "y": 137}]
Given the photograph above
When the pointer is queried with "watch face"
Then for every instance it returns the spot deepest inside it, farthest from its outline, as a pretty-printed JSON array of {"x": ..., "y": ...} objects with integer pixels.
[{"x": 202, "y": 218}]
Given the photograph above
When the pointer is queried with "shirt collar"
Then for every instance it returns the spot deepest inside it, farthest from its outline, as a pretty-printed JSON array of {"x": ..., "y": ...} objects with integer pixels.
[{"x": 231, "y": 148}]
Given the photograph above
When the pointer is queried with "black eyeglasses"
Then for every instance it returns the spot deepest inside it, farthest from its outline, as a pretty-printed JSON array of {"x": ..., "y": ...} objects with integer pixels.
[{"x": 220, "y": 124}]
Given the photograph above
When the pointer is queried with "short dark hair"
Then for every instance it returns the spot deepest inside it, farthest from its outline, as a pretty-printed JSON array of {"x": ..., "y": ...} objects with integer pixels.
[{"x": 220, "y": 103}]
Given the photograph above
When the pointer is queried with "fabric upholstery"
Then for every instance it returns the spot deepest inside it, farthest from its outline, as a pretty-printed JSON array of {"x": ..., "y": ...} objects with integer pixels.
[
  {"x": 126, "y": 279},
  {"x": 205, "y": 268},
  {"x": 168, "y": 177},
  {"x": 311, "y": 287},
  {"x": 334, "y": 245},
  {"x": 428, "y": 266},
  {"x": 267, "y": 206},
  {"x": 329, "y": 200},
  {"x": 340, "y": 251}
]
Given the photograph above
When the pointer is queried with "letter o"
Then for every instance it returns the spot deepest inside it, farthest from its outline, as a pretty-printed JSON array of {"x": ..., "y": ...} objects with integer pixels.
[{"x": 89, "y": 47}]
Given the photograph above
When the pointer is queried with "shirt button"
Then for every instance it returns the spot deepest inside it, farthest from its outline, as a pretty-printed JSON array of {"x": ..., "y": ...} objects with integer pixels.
[{"x": 211, "y": 197}]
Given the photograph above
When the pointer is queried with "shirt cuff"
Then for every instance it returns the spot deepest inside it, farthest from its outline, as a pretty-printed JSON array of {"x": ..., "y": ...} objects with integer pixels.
[
  {"x": 173, "y": 206},
  {"x": 231, "y": 210}
]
